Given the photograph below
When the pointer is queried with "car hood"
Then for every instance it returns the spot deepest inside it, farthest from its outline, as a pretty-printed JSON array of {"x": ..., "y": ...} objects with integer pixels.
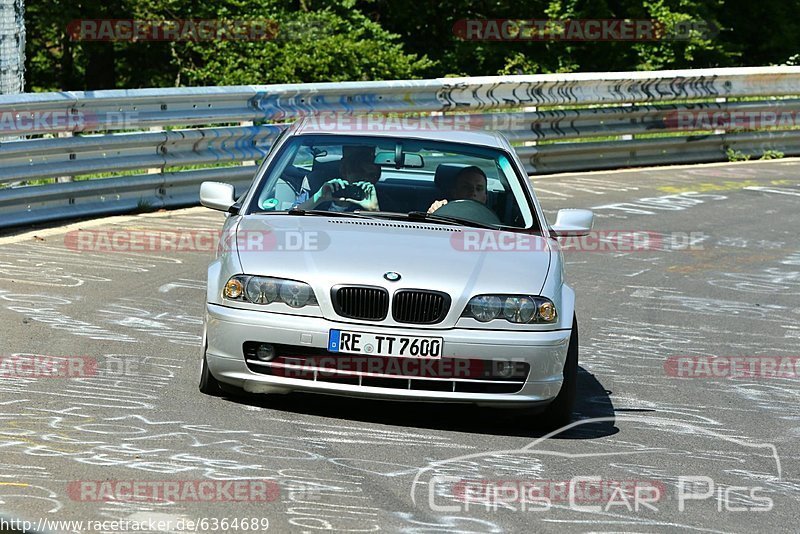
[{"x": 327, "y": 251}]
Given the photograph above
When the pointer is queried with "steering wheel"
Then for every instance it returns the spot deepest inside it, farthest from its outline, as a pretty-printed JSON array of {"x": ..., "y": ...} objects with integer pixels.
[{"x": 471, "y": 210}]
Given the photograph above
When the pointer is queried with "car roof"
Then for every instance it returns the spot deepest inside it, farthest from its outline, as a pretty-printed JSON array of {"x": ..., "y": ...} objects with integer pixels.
[{"x": 369, "y": 128}]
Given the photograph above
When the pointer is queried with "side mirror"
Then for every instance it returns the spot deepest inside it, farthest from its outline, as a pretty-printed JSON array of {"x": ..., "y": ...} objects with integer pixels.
[
  {"x": 572, "y": 222},
  {"x": 217, "y": 196}
]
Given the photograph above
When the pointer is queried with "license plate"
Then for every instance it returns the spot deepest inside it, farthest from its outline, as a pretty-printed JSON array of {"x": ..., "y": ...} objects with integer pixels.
[{"x": 385, "y": 344}]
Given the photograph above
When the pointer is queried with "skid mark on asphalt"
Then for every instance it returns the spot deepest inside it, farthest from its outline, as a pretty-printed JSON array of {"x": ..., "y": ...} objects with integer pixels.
[
  {"x": 776, "y": 190},
  {"x": 645, "y": 206},
  {"x": 45, "y": 309},
  {"x": 132, "y": 313}
]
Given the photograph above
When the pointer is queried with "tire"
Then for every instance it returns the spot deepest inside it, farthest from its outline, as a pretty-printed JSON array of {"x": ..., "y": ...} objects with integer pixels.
[
  {"x": 208, "y": 384},
  {"x": 559, "y": 412}
]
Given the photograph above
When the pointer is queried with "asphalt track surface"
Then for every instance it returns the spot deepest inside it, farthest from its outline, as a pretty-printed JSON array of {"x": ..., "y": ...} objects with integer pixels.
[{"x": 721, "y": 279}]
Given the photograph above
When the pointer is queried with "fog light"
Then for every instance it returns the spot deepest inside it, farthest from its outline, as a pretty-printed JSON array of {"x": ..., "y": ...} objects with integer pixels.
[
  {"x": 265, "y": 352},
  {"x": 504, "y": 369}
]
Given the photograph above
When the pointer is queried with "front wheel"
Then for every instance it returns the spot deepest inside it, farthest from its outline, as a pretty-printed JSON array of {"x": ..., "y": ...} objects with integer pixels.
[
  {"x": 559, "y": 412},
  {"x": 208, "y": 384}
]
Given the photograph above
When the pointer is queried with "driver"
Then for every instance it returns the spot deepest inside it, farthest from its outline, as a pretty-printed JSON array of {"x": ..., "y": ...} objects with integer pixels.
[
  {"x": 358, "y": 168},
  {"x": 468, "y": 184}
]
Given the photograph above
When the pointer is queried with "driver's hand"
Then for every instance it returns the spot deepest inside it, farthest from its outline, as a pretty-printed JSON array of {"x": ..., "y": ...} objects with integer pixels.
[
  {"x": 370, "y": 201},
  {"x": 327, "y": 192},
  {"x": 436, "y": 205}
]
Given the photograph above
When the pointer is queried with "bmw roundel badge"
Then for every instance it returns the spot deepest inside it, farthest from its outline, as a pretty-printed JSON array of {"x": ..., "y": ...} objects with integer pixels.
[{"x": 392, "y": 276}]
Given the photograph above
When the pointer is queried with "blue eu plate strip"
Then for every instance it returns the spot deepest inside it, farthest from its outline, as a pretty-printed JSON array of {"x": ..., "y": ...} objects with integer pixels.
[{"x": 333, "y": 341}]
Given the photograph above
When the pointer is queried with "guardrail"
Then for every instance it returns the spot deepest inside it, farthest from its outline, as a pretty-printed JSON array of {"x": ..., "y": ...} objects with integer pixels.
[{"x": 563, "y": 122}]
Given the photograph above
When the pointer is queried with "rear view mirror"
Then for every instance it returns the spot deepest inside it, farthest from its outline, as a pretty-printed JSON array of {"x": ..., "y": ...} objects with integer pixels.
[
  {"x": 411, "y": 161},
  {"x": 385, "y": 158}
]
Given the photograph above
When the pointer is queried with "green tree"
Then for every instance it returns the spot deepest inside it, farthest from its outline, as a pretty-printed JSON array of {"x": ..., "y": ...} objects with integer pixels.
[
  {"x": 428, "y": 28},
  {"x": 331, "y": 42},
  {"x": 766, "y": 32},
  {"x": 335, "y": 40},
  {"x": 310, "y": 46}
]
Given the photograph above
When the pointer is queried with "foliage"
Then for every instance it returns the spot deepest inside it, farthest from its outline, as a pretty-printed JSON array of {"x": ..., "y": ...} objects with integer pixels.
[
  {"x": 335, "y": 40},
  {"x": 332, "y": 43},
  {"x": 772, "y": 154},
  {"x": 735, "y": 155}
]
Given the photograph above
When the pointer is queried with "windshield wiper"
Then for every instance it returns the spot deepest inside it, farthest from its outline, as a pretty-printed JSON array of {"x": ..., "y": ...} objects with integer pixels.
[
  {"x": 411, "y": 215},
  {"x": 297, "y": 211},
  {"x": 422, "y": 216}
]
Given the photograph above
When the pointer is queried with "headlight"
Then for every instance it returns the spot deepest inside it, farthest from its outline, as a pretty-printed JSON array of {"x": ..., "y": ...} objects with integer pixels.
[
  {"x": 261, "y": 290},
  {"x": 485, "y": 308},
  {"x": 519, "y": 309},
  {"x": 296, "y": 294},
  {"x": 266, "y": 290}
]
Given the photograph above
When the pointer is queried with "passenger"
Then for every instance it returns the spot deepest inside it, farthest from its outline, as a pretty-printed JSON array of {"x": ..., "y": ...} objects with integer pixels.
[
  {"x": 468, "y": 184},
  {"x": 357, "y": 168}
]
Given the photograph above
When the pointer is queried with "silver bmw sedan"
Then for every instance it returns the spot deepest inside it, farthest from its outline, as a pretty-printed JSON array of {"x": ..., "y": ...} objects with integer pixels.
[{"x": 413, "y": 265}]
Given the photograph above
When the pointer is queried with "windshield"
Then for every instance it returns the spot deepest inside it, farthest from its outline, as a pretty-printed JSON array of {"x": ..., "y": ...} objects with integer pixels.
[{"x": 441, "y": 182}]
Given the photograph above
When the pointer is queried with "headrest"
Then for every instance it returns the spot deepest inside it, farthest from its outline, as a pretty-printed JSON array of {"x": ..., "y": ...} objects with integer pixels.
[
  {"x": 446, "y": 173},
  {"x": 358, "y": 152},
  {"x": 358, "y": 161}
]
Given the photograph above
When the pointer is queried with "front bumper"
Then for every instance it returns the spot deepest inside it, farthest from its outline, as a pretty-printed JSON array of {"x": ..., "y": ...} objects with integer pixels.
[{"x": 228, "y": 328}]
